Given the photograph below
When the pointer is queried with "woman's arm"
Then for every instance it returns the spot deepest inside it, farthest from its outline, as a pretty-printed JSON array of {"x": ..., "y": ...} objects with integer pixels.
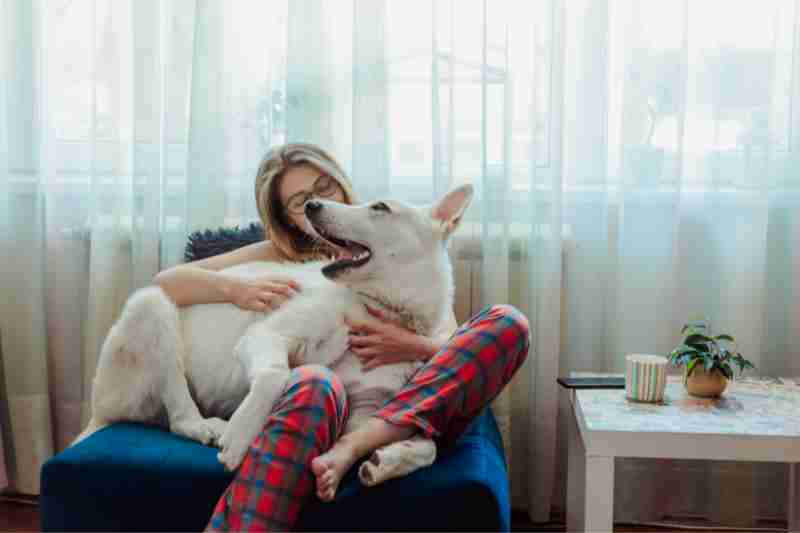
[
  {"x": 384, "y": 342},
  {"x": 427, "y": 346},
  {"x": 201, "y": 282}
]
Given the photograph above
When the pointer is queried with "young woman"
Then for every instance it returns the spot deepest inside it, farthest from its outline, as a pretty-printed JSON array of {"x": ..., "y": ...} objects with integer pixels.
[{"x": 492, "y": 344}]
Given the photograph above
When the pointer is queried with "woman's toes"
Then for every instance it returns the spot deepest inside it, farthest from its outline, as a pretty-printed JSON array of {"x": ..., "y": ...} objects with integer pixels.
[
  {"x": 327, "y": 495},
  {"x": 319, "y": 466}
]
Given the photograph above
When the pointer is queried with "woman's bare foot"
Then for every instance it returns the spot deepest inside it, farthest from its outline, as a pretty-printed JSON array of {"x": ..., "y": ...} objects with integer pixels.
[{"x": 331, "y": 466}]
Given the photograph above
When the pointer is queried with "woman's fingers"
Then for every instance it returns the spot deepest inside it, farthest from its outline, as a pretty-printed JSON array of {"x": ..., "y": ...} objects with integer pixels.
[
  {"x": 279, "y": 280},
  {"x": 285, "y": 290},
  {"x": 278, "y": 300},
  {"x": 258, "y": 305},
  {"x": 364, "y": 340},
  {"x": 274, "y": 297},
  {"x": 266, "y": 301},
  {"x": 365, "y": 352},
  {"x": 375, "y": 312},
  {"x": 380, "y": 315},
  {"x": 279, "y": 288},
  {"x": 359, "y": 327},
  {"x": 266, "y": 294},
  {"x": 286, "y": 286}
]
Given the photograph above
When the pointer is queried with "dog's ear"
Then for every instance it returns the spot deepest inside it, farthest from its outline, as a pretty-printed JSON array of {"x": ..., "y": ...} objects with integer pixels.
[{"x": 450, "y": 209}]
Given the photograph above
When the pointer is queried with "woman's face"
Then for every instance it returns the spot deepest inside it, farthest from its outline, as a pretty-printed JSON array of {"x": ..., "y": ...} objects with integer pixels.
[{"x": 302, "y": 182}]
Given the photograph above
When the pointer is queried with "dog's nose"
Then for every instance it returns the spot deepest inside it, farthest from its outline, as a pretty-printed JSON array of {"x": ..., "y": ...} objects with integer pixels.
[{"x": 313, "y": 206}]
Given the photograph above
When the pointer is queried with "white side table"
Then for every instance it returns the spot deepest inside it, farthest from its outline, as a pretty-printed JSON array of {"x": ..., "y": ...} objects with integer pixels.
[{"x": 754, "y": 421}]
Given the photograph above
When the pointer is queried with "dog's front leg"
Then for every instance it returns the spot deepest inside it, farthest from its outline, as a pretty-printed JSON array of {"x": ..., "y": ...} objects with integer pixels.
[{"x": 266, "y": 356}]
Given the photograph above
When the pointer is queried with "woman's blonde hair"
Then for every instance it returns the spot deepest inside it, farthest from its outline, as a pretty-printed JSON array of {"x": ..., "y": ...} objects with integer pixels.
[{"x": 289, "y": 240}]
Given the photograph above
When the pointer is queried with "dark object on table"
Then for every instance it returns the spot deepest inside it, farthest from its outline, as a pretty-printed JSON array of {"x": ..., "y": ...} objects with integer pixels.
[{"x": 592, "y": 382}]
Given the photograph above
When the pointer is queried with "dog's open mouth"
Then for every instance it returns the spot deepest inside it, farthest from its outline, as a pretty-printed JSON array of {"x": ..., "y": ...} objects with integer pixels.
[{"x": 349, "y": 254}]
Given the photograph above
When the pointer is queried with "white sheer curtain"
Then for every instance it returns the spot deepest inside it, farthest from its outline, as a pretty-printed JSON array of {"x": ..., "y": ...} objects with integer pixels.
[{"x": 636, "y": 162}]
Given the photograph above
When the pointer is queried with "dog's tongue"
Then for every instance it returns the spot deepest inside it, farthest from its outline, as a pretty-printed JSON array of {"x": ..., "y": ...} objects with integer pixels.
[{"x": 343, "y": 253}]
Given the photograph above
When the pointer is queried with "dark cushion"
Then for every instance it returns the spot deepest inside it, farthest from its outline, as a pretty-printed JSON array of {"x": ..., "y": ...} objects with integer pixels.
[
  {"x": 132, "y": 477},
  {"x": 203, "y": 244}
]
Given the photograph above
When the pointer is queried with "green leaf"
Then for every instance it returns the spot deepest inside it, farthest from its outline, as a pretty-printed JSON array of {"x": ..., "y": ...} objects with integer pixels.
[
  {"x": 680, "y": 355},
  {"x": 698, "y": 339},
  {"x": 709, "y": 363},
  {"x": 742, "y": 362},
  {"x": 690, "y": 366},
  {"x": 699, "y": 347},
  {"x": 697, "y": 325},
  {"x": 724, "y": 337}
]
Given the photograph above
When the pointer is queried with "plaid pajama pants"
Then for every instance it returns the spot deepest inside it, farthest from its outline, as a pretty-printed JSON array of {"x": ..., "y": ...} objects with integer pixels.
[{"x": 441, "y": 399}]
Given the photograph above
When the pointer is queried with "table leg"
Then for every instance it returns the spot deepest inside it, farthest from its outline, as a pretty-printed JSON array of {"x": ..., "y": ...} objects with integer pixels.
[
  {"x": 590, "y": 487},
  {"x": 576, "y": 477},
  {"x": 599, "y": 509},
  {"x": 793, "y": 505}
]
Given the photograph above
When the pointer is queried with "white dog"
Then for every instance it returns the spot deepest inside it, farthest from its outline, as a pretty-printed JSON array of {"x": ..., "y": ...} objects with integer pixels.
[{"x": 161, "y": 364}]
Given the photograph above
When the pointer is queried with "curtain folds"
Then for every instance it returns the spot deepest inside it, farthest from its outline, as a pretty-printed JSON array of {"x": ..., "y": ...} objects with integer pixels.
[{"x": 635, "y": 162}]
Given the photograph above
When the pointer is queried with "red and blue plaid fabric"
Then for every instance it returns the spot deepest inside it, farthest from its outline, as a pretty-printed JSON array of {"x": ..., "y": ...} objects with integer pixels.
[
  {"x": 441, "y": 399},
  {"x": 275, "y": 478},
  {"x": 448, "y": 392}
]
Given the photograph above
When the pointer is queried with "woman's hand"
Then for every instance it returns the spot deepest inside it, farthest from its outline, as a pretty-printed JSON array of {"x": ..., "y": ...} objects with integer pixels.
[
  {"x": 262, "y": 294},
  {"x": 383, "y": 342}
]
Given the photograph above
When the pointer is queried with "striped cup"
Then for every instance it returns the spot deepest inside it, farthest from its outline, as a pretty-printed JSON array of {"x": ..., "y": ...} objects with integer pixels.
[{"x": 645, "y": 377}]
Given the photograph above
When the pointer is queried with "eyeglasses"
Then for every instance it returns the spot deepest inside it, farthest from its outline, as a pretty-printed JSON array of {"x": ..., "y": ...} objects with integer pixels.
[{"x": 324, "y": 186}]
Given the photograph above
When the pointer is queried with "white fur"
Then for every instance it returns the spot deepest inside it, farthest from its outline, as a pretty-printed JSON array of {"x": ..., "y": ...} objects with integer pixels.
[{"x": 193, "y": 368}]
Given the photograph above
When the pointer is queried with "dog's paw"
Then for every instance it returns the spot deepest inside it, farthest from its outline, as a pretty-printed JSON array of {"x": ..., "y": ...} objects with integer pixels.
[
  {"x": 232, "y": 450},
  {"x": 382, "y": 465},
  {"x": 230, "y": 460},
  {"x": 218, "y": 426},
  {"x": 395, "y": 460},
  {"x": 203, "y": 430},
  {"x": 370, "y": 472}
]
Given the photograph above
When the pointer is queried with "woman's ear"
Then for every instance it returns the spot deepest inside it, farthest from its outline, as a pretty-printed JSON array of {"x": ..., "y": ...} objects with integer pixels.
[{"x": 451, "y": 207}]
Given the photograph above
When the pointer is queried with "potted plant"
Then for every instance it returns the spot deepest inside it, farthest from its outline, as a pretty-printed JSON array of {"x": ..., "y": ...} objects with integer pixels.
[{"x": 708, "y": 360}]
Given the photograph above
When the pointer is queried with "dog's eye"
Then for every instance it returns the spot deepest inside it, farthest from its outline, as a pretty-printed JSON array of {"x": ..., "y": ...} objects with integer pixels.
[{"x": 380, "y": 206}]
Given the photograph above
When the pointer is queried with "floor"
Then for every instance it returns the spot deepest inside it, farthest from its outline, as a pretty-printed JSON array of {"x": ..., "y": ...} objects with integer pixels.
[{"x": 17, "y": 517}]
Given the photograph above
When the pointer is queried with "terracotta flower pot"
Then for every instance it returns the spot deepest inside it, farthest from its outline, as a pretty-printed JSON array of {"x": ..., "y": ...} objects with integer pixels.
[{"x": 706, "y": 384}]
